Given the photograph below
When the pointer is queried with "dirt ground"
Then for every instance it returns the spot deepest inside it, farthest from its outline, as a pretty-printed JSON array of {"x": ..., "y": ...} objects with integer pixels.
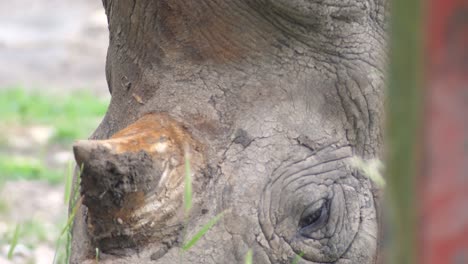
[{"x": 53, "y": 45}]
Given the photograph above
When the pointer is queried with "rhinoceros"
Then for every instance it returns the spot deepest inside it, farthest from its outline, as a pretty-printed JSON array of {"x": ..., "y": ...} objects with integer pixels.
[{"x": 258, "y": 106}]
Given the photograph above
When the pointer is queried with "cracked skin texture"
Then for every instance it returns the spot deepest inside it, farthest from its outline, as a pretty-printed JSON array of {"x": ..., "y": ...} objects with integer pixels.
[{"x": 280, "y": 94}]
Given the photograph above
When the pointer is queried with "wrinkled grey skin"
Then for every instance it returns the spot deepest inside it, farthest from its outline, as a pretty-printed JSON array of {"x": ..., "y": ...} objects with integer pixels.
[{"x": 282, "y": 93}]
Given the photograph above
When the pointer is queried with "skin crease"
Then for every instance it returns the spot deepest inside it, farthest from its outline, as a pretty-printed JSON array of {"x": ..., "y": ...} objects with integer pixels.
[{"x": 280, "y": 101}]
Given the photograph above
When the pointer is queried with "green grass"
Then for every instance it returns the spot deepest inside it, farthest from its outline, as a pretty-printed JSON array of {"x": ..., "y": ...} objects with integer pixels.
[
  {"x": 16, "y": 168},
  {"x": 249, "y": 257},
  {"x": 34, "y": 232},
  {"x": 202, "y": 232},
  {"x": 69, "y": 182},
  {"x": 4, "y": 207},
  {"x": 97, "y": 256},
  {"x": 13, "y": 242},
  {"x": 30, "y": 233},
  {"x": 371, "y": 168},
  {"x": 297, "y": 258},
  {"x": 73, "y": 115},
  {"x": 63, "y": 250},
  {"x": 188, "y": 207}
]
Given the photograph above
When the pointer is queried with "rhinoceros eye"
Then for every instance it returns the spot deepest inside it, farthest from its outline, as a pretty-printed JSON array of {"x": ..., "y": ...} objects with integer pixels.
[{"x": 314, "y": 217}]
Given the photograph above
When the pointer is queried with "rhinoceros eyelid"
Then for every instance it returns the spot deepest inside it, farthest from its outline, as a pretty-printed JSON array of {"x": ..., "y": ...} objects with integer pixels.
[{"x": 314, "y": 217}]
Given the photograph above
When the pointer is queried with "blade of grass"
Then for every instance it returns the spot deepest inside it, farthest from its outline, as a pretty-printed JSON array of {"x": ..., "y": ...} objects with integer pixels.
[
  {"x": 14, "y": 242},
  {"x": 297, "y": 258},
  {"x": 68, "y": 225},
  {"x": 97, "y": 255},
  {"x": 68, "y": 183},
  {"x": 249, "y": 257},
  {"x": 71, "y": 217},
  {"x": 202, "y": 232},
  {"x": 72, "y": 201},
  {"x": 371, "y": 169}
]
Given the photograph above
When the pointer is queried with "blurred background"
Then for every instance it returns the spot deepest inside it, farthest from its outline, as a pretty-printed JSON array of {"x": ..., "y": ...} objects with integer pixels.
[{"x": 52, "y": 92}]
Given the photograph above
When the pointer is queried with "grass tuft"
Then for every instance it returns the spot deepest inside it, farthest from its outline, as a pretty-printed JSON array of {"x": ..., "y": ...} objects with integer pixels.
[
  {"x": 97, "y": 256},
  {"x": 188, "y": 206},
  {"x": 202, "y": 232},
  {"x": 37, "y": 124},
  {"x": 249, "y": 257},
  {"x": 14, "y": 242},
  {"x": 74, "y": 203},
  {"x": 25, "y": 168},
  {"x": 297, "y": 258},
  {"x": 68, "y": 183},
  {"x": 63, "y": 112},
  {"x": 371, "y": 168}
]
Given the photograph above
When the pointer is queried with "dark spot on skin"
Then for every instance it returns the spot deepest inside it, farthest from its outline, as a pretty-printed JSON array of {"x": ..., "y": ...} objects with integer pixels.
[
  {"x": 126, "y": 83},
  {"x": 209, "y": 172},
  {"x": 242, "y": 138},
  {"x": 208, "y": 127},
  {"x": 307, "y": 142},
  {"x": 158, "y": 254}
]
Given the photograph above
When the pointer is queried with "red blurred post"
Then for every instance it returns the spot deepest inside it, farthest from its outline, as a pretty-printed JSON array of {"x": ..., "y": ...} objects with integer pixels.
[{"x": 443, "y": 234}]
